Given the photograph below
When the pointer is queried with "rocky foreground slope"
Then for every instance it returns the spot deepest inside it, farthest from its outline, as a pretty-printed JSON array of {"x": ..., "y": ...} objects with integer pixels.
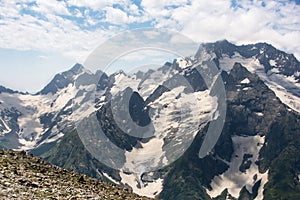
[{"x": 27, "y": 177}]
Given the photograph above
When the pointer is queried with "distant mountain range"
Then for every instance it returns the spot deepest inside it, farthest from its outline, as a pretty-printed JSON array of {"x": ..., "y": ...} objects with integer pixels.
[{"x": 256, "y": 157}]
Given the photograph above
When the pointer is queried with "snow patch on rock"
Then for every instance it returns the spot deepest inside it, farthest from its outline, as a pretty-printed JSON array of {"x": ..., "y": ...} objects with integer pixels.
[
  {"x": 5, "y": 127},
  {"x": 150, "y": 83},
  {"x": 233, "y": 179},
  {"x": 183, "y": 63},
  {"x": 273, "y": 63},
  {"x": 227, "y": 63},
  {"x": 246, "y": 88},
  {"x": 260, "y": 114},
  {"x": 149, "y": 189},
  {"x": 264, "y": 180},
  {"x": 245, "y": 81},
  {"x": 283, "y": 88},
  {"x": 122, "y": 81},
  {"x": 110, "y": 178}
]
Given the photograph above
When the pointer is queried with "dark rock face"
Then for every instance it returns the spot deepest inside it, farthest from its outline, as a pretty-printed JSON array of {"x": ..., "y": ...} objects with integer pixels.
[
  {"x": 113, "y": 132},
  {"x": 251, "y": 106},
  {"x": 246, "y": 163},
  {"x": 10, "y": 139},
  {"x": 6, "y": 90},
  {"x": 220, "y": 47},
  {"x": 104, "y": 82},
  {"x": 157, "y": 93},
  {"x": 195, "y": 79},
  {"x": 62, "y": 80},
  {"x": 138, "y": 110}
]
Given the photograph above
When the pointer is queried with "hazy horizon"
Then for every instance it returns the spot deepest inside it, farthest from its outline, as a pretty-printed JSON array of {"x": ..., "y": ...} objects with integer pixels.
[{"x": 39, "y": 39}]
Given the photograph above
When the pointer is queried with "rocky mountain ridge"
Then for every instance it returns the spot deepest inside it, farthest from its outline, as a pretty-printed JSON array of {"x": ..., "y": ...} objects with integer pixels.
[{"x": 258, "y": 144}]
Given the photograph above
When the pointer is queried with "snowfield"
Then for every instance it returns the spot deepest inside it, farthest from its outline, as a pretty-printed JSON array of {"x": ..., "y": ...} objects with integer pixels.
[
  {"x": 233, "y": 179},
  {"x": 33, "y": 107},
  {"x": 144, "y": 189},
  {"x": 171, "y": 113}
]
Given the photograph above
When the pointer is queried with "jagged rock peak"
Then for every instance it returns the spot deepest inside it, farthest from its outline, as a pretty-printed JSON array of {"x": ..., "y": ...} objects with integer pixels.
[
  {"x": 63, "y": 79},
  {"x": 77, "y": 68}
]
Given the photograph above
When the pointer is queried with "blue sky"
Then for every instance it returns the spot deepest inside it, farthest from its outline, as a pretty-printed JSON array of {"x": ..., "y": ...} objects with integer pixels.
[{"x": 39, "y": 38}]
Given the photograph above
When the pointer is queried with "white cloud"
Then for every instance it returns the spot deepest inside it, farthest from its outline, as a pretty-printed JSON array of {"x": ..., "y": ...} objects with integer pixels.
[
  {"x": 95, "y": 5},
  {"x": 205, "y": 21},
  {"x": 53, "y": 7},
  {"x": 116, "y": 16},
  {"x": 276, "y": 23},
  {"x": 72, "y": 29},
  {"x": 55, "y": 34},
  {"x": 133, "y": 9}
]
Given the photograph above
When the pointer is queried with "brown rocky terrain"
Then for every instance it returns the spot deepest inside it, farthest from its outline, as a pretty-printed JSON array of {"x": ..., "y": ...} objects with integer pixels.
[{"x": 27, "y": 177}]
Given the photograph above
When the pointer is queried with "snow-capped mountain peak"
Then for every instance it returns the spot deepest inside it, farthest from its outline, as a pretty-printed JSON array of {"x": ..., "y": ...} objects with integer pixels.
[
  {"x": 62, "y": 80},
  {"x": 258, "y": 78},
  {"x": 279, "y": 70}
]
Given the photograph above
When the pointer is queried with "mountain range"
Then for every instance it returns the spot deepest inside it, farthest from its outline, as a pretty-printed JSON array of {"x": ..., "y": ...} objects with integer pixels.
[{"x": 257, "y": 155}]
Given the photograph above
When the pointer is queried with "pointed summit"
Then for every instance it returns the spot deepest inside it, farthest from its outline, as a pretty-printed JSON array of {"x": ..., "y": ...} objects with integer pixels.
[
  {"x": 63, "y": 79},
  {"x": 77, "y": 68},
  {"x": 220, "y": 47}
]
